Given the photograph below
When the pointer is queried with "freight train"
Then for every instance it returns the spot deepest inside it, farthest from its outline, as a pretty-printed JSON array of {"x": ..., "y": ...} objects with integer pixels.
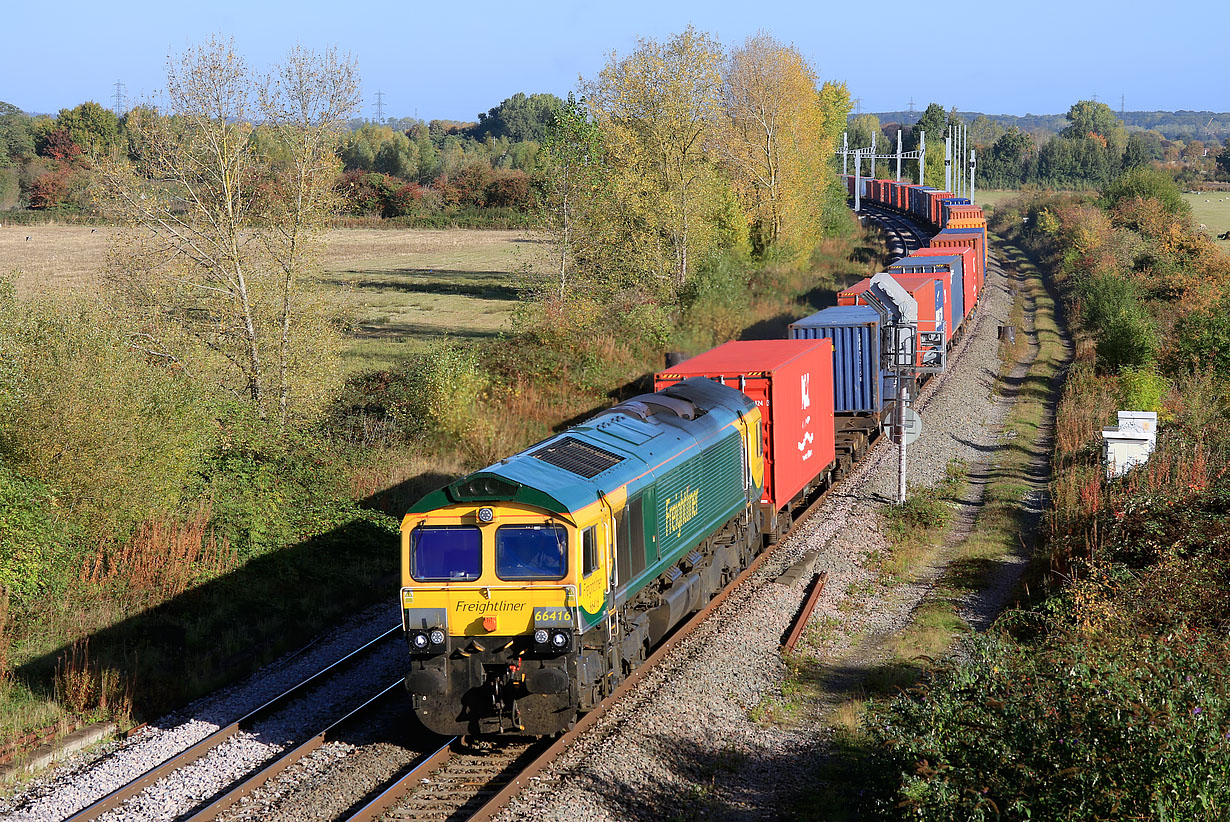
[{"x": 532, "y": 588}]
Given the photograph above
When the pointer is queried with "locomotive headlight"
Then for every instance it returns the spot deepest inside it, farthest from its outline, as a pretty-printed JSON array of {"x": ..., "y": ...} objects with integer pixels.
[
  {"x": 559, "y": 639},
  {"x": 540, "y": 636},
  {"x": 437, "y": 637},
  {"x": 420, "y": 641}
]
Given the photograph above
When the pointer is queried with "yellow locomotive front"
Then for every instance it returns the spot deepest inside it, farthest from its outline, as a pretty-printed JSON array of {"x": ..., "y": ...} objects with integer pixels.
[{"x": 489, "y": 596}]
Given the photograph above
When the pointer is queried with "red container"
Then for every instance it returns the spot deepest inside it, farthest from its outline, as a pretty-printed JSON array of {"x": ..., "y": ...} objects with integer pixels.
[
  {"x": 970, "y": 284},
  {"x": 933, "y": 205},
  {"x": 791, "y": 382},
  {"x": 941, "y": 308},
  {"x": 966, "y": 238}
]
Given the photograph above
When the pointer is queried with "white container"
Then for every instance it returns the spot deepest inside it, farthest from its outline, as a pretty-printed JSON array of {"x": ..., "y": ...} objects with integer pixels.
[
  {"x": 1144, "y": 422},
  {"x": 1130, "y": 443}
]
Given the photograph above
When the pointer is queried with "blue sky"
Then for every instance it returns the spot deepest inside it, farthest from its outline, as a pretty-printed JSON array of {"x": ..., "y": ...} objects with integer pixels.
[{"x": 451, "y": 60}]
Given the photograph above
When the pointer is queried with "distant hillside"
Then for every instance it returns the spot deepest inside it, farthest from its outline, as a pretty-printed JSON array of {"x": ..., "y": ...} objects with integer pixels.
[{"x": 1180, "y": 125}]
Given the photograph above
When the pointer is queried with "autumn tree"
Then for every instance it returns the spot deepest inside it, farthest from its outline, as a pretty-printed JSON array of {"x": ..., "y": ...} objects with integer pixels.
[
  {"x": 775, "y": 141},
  {"x": 226, "y": 226},
  {"x": 575, "y": 171},
  {"x": 658, "y": 108}
]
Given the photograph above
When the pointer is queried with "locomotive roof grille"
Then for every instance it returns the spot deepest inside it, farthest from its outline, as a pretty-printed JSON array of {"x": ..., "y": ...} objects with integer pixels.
[{"x": 580, "y": 458}]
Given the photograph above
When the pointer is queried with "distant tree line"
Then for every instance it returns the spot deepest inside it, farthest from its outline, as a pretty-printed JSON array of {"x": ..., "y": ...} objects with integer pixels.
[
  {"x": 403, "y": 166},
  {"x": 1092, "y": 148}
]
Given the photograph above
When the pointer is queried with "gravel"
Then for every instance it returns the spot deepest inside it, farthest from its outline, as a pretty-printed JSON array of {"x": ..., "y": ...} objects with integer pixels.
[
  {"x": 85, "y": 778},
  {"x": 687, "y": 743}
]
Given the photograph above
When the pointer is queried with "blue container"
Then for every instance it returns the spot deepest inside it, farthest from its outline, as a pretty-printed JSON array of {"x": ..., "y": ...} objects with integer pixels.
[
  {"x": 858, "y": 381},
  {"x": 918, "y": 202},
  {"x": 930, "y": 265},
  {"x": 950, "y": 201}
]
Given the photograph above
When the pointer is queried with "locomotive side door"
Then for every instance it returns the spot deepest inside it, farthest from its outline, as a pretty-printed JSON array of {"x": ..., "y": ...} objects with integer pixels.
[{"x": 596, "y": 570}]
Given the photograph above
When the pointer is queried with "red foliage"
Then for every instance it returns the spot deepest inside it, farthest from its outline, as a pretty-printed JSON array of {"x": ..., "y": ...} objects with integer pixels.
[
  {"x": 509, "y": 189},
  {"x": 48, "y": 190},
  {"x": 61, "y": 147}
]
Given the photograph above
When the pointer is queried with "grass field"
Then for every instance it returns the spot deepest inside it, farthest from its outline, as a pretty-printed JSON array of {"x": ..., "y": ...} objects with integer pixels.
[
  {"x": 399, "y": 288},
  {"x": 1212, "y": 210}
]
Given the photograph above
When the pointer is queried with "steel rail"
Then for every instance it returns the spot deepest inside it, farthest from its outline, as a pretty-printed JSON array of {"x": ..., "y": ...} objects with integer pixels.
[
  {"x": 497, "y": 802},
  {"x": 189, "y": 755},
  {"x": 815, "y": 588},
  {"x": 501, "y": 799},
  {"x": 423, "y": 769},
  {"x": 247, "y": 786}
]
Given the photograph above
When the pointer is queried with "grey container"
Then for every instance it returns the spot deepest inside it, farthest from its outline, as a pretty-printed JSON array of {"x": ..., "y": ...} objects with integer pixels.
[
  {"x": 932, "y": 264},
  {"x": 858, "y": 380}
]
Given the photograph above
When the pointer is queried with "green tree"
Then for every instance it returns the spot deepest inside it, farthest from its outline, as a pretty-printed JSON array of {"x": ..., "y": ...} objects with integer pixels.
[
  {"x": 94, "y": 129},
  {"x": 574, "y": 155},
  {"x": 1223, "y": 159},
  {"x": 1143, "y": 147},
  {"x": 397, "y": 156},
  {"x": 1087, "y": 117},
  {"x": 933, "y": 122},
  {"x": 16, "y": 137},
  {"x": 518, "y": 118},
  {"x": 1007, "y": 163}
]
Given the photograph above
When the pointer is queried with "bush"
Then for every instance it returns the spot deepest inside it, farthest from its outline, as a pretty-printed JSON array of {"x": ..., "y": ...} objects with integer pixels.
[
  {"x": 1122, "y": 329},
  {"x": 1078, "y": 728},
  {"x": 1146, "y": 183},
  {"x": 715, "y": 301},
  {"x": 34, "y": 541},
  {"x": 1202, "y": 340},
  {"x": 268, "y": 489},
  {"x": 117, "y": 433},
  {"x": 1142, "y": 389}
]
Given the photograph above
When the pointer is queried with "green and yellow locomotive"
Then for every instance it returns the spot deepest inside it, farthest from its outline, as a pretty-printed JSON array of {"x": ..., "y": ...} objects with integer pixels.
[{"x": 531, "y": 588}]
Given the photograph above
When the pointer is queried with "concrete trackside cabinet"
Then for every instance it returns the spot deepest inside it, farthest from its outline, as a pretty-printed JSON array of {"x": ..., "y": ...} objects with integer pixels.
[{"x": 1129, "y": 443}]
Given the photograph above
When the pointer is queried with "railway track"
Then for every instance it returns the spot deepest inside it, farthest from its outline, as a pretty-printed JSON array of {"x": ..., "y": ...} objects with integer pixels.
[
  {"x": 514, "y": 767},
  {"x": 906, "y": 236},
  {"x": 304, "y": 689}
]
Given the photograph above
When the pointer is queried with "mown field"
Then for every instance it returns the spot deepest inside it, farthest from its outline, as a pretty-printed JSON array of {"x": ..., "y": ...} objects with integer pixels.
[
  {"x": 1212, "y": 210},
  {"x": 398, "y": 289}
]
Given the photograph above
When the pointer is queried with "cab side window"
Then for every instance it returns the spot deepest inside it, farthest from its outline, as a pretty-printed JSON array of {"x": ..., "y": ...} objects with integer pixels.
[{"x": 589, "y": 550}]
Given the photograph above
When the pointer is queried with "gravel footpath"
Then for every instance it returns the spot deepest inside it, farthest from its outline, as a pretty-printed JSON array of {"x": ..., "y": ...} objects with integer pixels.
[
  {"x": 87, "y": 777},
  {"x": 685, "y": 744}
]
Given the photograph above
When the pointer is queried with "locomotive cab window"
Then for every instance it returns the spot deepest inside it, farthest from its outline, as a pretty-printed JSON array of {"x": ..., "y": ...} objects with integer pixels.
[
  {"x": 589, "y": 550},
  {"x": 531, "y": 552},
  {"x": 445, "y": 553}
]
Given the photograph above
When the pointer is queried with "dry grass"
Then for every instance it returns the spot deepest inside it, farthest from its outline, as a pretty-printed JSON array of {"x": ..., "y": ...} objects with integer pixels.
[
  {"x": 399, "y": 288},
  {"x": 56, "y": 257}
]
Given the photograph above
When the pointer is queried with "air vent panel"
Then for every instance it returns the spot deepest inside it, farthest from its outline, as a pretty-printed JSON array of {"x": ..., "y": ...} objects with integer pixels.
[{"x": 580, "y": 458}]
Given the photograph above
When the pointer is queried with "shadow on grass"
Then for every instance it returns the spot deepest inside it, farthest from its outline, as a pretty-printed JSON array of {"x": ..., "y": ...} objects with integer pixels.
[
  {"x": 393, "y": 331},
  {"x": 228, "y": 628},
  {"x": 478, "y": 291}
]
